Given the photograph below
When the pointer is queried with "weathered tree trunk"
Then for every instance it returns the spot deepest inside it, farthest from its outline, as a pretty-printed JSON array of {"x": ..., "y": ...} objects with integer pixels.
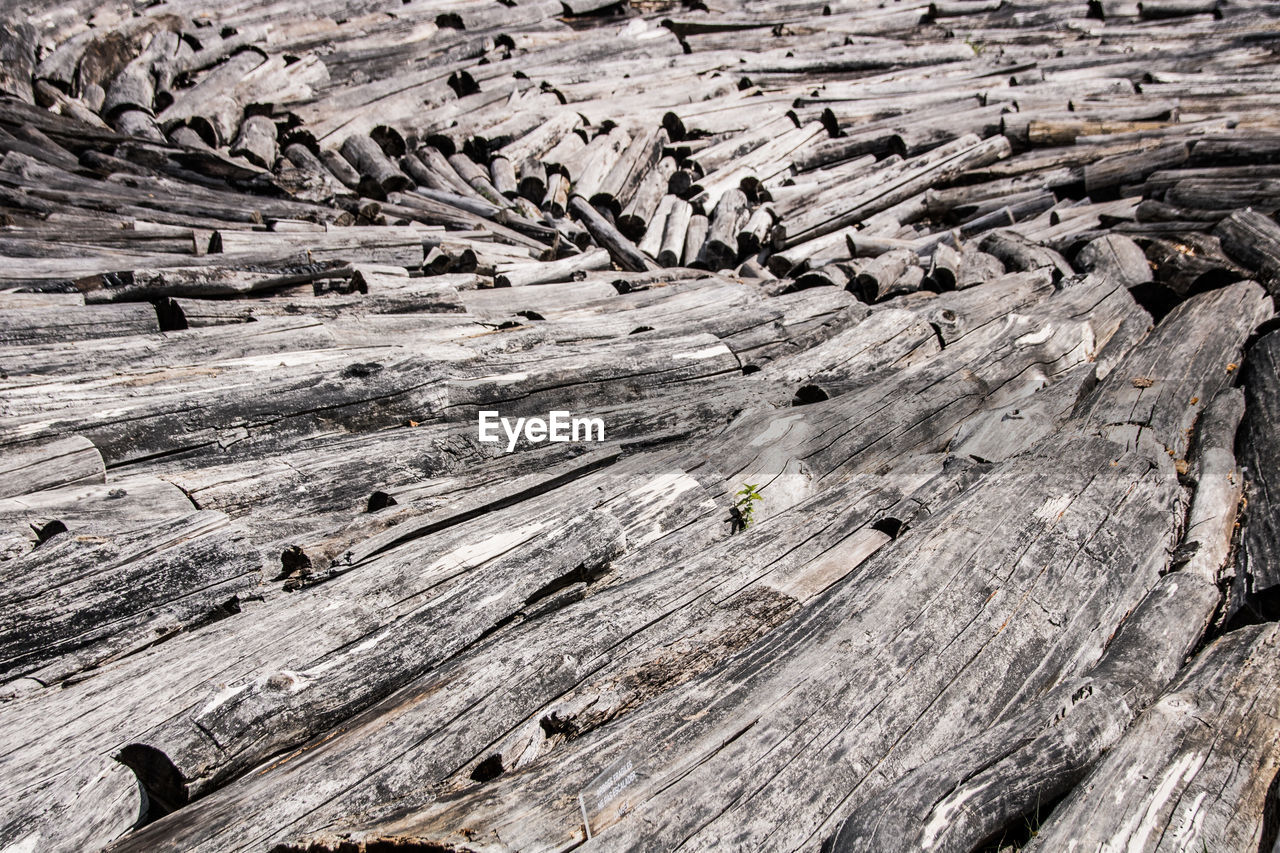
[
  {"x": 118, "y": 595},
  {"x": 1254, "y": 240},
  {"x": 378, "y": 175},
  {"x": 1256, "y": 580},
  {"x": 49, "y": 464},
  {"x": 1197, "y": 768},
  {"x": 623, "y": 251}
]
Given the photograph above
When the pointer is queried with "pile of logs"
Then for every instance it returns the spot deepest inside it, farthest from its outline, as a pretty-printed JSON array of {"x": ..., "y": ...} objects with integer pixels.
[{"x": 977, "y": 293}]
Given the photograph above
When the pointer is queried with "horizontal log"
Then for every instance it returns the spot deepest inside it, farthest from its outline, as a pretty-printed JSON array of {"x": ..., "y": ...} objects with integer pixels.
[
  {"x": 1016, "y": 252},
  {"x": 561, "y": 270},
  {"x": 144, "y": 586},
  {"x": 49, "y": 464},
  {"x": 179, "y": 761},
  {"x": 29, "y": 520},
  {"x": 1191, "y": 265},
  {"x": 25, "y": 326},
  {"x": 143, "y": 284},
  {"x": 951, "y": 159}
]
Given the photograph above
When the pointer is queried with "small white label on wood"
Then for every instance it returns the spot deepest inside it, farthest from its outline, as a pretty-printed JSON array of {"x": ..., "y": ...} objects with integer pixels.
[{"x": 603, "y": 800}]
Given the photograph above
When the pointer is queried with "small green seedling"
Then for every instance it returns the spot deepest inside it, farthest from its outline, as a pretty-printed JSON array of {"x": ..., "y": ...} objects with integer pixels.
[{"x": 745, "y": 505}]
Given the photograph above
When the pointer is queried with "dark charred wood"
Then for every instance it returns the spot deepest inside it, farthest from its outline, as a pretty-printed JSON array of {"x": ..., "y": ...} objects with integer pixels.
[
  {"x": 1191, "y": 266},
  {"x": 755, "y": 232},
  {"x": 532, "y": 178},
  {"x": 1254, "y": 240},
  {"x": 1132, "y": 168},
  {"x": 1256, "y": 580},
  {"x": 146, "y": 585},
  {"x": 1158, "y": 10},
  {"x": 1150, "y": 210}
]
